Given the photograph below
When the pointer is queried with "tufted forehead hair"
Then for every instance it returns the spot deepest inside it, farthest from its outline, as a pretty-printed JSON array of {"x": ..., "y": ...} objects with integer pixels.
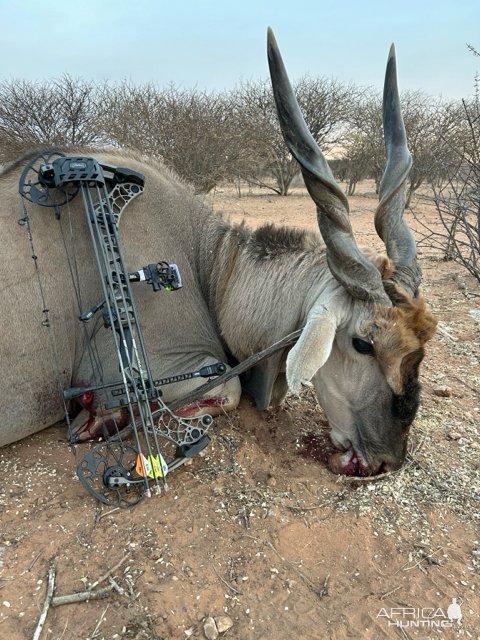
[
  {"x": 398, "y": 334},
  {"x": 411, "y": 314}
]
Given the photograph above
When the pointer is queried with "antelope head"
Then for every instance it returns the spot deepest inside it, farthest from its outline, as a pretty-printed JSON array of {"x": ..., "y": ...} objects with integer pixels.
[{"x": 363, "y": 341}]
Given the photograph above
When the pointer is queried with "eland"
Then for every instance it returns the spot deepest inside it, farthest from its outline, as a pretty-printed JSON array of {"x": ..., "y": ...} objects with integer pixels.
[{"x": 363, "y": 322}]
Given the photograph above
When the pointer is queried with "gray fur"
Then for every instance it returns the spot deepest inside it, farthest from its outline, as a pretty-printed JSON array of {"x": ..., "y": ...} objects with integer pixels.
[{"x": 226, "y": 270}]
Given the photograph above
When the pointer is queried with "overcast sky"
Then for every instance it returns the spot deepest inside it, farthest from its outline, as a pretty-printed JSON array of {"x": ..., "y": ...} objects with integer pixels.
[{"x": 213, "y": 44}]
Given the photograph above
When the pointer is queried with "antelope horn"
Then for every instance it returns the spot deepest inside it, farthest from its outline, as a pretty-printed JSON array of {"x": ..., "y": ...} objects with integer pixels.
[
  {"x": 389, "y": 222},
  {"x": 346, "y": 262}
]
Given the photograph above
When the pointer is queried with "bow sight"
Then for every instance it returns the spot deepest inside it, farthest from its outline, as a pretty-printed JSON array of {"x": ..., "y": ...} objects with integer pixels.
[{"x": 115, "y": 472}]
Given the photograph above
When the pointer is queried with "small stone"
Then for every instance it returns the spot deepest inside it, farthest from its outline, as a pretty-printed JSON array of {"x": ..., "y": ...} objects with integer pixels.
[
  {"x": 6, "y": 603},
  {"x": 271, "y": 481},
  {"x": 474, "y": 314},
  {"x": 210, "y": 629},
  {"x": 443, "y": 391},
  {"x": 224, "y": 623},
  {"x": 475, "y": 445},
  {"x": 454, "y": 435}
]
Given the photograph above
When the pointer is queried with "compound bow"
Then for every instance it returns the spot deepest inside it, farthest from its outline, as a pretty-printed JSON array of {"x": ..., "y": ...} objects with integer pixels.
[{"x": 116, "y": 472}]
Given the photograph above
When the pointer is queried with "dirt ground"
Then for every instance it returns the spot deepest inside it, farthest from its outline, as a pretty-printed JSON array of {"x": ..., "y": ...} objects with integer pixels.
[{"x": 257, "y": 530}]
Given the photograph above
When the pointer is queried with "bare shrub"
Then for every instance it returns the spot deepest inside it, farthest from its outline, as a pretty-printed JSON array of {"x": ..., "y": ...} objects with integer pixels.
[
  {"x": 431, "y": 124},
  {"x": 457, "y": 195},
  {"x": 190, "y": 130},
  {"x": 266, "y": 161},
  {"x": 58, "y": 112}
]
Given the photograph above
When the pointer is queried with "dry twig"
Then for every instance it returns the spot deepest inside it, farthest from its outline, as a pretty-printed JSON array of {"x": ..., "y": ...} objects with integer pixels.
[
  {"x": 404, "y": 633},
  {"x": 425, "y": 556},
  {"x": 299, "y": 509},
  {"x": 46, "y": 604},
  {"x": 95, "y": 631},
  {"x": 91, "y": 593},
  {"x": 226, "y": 583},
  {"x": 107, "y": 513},
  {"x": 324, "y": 590},
  {"x": 64, "y": 630},
  {"x": 389, "y": 593},
  {"x": 116, "y": 586},
  {"x": 34, "y": 559},
  {"x": 109, "y": 572},
  {"x": 82, "y": 596}
]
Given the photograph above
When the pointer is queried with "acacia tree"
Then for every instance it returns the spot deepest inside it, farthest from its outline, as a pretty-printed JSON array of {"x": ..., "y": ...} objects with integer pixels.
[
  {"x": 190, "y": 130},
  {"x": 66, "y": 111},
  {"x": 267, "y": 161}
]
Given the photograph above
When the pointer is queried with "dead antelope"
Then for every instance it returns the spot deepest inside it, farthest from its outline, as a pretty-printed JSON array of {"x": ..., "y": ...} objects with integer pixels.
[{"x": 364, "y": 324}]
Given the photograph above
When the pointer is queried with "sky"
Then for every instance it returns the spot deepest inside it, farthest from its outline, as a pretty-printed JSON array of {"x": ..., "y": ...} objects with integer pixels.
[{"x": 214, "y": 44}]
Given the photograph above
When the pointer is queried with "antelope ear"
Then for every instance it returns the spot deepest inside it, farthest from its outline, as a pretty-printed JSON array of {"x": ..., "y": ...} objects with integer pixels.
[{"x": 312, "y": 349}]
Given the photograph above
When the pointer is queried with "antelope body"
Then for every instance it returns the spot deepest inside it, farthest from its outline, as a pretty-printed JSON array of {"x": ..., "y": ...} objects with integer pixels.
[{"x": 364, "y": 325}]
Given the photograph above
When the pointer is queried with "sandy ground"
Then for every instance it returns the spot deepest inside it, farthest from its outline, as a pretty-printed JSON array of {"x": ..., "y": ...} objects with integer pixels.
[{"x": 258, "y": 530}]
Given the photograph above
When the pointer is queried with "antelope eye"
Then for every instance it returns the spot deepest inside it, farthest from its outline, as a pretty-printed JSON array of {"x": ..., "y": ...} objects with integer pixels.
[{"x": 363, "y": 346}]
